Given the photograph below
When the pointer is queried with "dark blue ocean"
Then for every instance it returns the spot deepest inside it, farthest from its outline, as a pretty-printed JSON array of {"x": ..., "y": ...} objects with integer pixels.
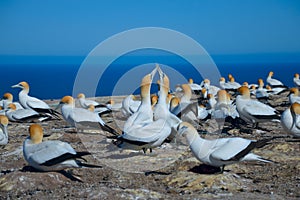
[{"x": 55, "y": 80}]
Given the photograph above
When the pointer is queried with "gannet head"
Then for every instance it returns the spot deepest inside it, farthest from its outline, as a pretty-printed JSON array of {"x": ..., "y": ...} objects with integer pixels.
[
  {"x": 191, "y": 81},
  {"x": 154, "y": 99},
  {"x": 206, "y": 81},
  {"x": 271, "y": 74},
  {"x": 8, "y": 96},
  {"x": 3, "y": 121},
  {"x": 230, "y": 76},
  {"x": 260, "y": 82},
  {"x": 210, "y": 96},
  {"x": 222, "y": 96},
  {"x": 244, "y": 91},
  {"x": 146, "y": 81},
  {"x": 67, "y": 100},
  {"x": 174, "y": 102},
  {"x": 81, "y": 95},
  {"x": 222, "y": 79},
  {"x": 91, "y": 108},
  {"x": 296, "y": 76},
  {"x": 36, "y": 133},
  {"x": 186, "y": 88},
  {"x": 246, "y": 84},
  {"x": 23, "y": 85},
  {"x": 294, "y": 91},
  {"x": 268, "y": 87},
  {"x": 231, "y": 79},
  {"x": 169, "y": 97},
  {"x": 184, "y": 127},
  {"x": 11, "y": 106}
]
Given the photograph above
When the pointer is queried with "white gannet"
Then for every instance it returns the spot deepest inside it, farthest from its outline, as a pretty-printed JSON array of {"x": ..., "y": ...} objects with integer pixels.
[
  {"x": 261, "y": 92},
  {"x": 233, "y": 84},
  {"x": 224, "y": 107},
  {"x": 276, "y": 90},
  {"x": 274, "y": 82},
  {"x": 222, "y": 151},
  {"x": 82, "y": 118},
  {"x": 294, "y": 96},
  {"x": 290, "y": 119},
  {"x": 34, "y": 103},
  {"x": 50, "y": 155},
  {"x": 144, "y": 113},
  {"x": 3, "y": 130},
  {"x": 85, "y": 103},
  {"x": 211, "y": 89},
  {"x": 225, "y": 85},
  {"x": 252, "y": 110},
  {"x": 23, "y": 115},
  {"x": 296, "y": 80},
  {"x": 196, "y": 88},
  {"x": 7, "y": 99},
  {"x": 210, "y": 106},
  {"x": 130, "y": 105}
]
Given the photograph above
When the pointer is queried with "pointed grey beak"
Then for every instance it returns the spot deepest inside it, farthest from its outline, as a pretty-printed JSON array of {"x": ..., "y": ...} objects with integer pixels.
[{"x": 15, "y": 86}]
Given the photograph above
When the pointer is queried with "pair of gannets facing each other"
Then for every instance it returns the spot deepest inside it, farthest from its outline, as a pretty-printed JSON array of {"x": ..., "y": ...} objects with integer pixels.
[
  {"x": 290, "y": 119},
  {"x": 23, "y": 114},
  {"x": 3, "y": 130},
  {"x": 141, "y": 131},
  {"x": 50, "y": 155},
  {"x": 33, "y": 103},
  {"x": 222, "y": 151},
  {"x": 82, "y": 118},
  {"x": 252, "y": 110},
  {"x": 85, "y": 103}
]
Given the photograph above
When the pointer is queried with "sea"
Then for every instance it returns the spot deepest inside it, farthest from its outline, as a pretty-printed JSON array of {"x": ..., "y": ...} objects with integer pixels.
[{"x": 53, "y": 80}]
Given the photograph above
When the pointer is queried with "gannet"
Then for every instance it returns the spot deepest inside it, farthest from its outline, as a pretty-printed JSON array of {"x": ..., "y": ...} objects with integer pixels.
[
  {"x": 3, "y": 130},
  {"x": 222, "y": 151},
  {"x": 233, "y": 85},
  {"x": 33, "y": 103},
  {"x": 224, "y": 107},
  {"x": 274, "y": 82},
  {"x": 196, "y": 88},
  {"x": 130, "y": 105},
  {"x": 112, "y": 105},
  {"x": 290, "y": 119},
  {"x": 225, "y": 85},
  {"x": 144, "y": 113},
  {"x": 211, "y": 89},
  {"x": 296, "y": 80},
  {"x": 85, "y": 103},
  {"x": 210, "y": 106},
  {"x": 82, "y": 118},
  {"x": 50, "y": 155},
  {"x": 252, "y": 110},
  {"x": 276, "y": 90},
  {"x": 261, "y": 92},
  {"x": 23, "y": 115},
  {"x": 7, "y": 99},
  {"x": 294, "y": 96}
]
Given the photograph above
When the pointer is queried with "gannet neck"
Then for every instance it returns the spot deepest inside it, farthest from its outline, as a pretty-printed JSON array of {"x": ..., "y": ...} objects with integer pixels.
[
  {"x": 36, "y": 133},
  {"x": 270, "y": 74},
  {"x": 67, "y": 100}
]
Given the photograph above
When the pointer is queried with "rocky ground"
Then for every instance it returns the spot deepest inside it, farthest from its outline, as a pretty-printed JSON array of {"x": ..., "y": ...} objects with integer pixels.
[{"x": 169, "y": 172}]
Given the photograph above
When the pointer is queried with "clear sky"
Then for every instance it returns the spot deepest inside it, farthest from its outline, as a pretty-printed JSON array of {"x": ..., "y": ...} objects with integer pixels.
[{"x": 74, "y": 27}]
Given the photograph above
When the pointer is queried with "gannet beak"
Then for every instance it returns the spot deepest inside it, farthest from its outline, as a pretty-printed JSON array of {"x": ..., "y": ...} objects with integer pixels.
[
  {"x": 154, "y": 71},
  {"x": 58, "y": 106},
  {"x": 16, "y": 86}
]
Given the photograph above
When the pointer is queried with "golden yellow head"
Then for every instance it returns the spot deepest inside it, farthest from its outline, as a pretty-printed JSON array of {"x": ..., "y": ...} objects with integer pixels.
[
  {"x": 3, "y": 120},
  {"x": 231, "y": 79},
  {"x": 12, "y": 106},
  {"x": 67, "y": 100},
  {"x": 244, "y": 91},
  {"x": 230, "y": 76},
  {"x": 36, "y": 133},
  {"x": 246, "y": 84},
  {"x": 8, "y": 96},
  {"x": 23, "y": 85},
  {"x": 271, "y": 74},
  {"x": 222, "y": 95},
  {"x": 80, "y": 95},
  {"x": 260, "y": 82},
  {"x": 191, "y": 81},
  {"x": 174, "y": 102},
  {"x": 222, "y": 79},
  {"x": 296, "y": 75},
  {"x": 294, "y": 91},
  {"x": 207, "y": 81}
]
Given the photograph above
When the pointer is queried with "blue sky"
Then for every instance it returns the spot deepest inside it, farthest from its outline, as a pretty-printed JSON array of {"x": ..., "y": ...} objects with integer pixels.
[{"x": 74, "y": 28}]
